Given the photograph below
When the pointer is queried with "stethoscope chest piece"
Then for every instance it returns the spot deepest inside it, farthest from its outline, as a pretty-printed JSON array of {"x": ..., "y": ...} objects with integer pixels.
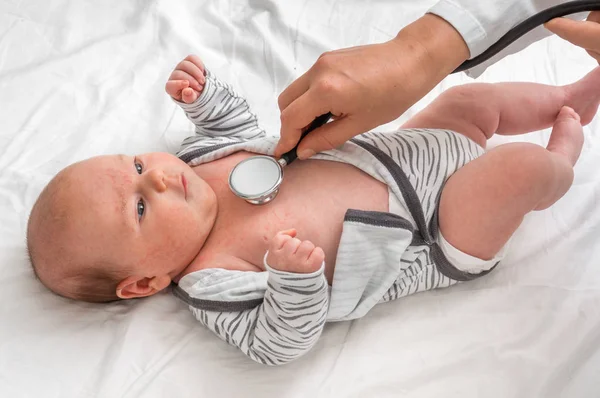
[{"x": 256, "y": 179}]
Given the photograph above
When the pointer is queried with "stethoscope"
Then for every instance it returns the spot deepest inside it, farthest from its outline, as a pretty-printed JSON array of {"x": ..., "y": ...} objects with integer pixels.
[{"x": 257, "y": 179}]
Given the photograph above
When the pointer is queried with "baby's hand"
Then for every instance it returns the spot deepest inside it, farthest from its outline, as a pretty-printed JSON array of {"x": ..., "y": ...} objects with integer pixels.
[
  {"x": 288, "y": 254},
  {"x": 187, "y": 80}
]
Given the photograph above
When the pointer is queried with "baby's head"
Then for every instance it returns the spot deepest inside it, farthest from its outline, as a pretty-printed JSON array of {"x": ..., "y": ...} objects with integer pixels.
[{"x": 119, "y": 226}]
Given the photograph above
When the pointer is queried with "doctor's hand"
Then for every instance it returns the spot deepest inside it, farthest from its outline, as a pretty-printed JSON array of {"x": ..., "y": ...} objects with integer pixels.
[
  {"x": 585, "y": 34},
  {"x": 366, "y": 86}
]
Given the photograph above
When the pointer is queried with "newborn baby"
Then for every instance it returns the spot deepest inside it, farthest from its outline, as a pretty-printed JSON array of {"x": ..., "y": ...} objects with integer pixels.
[{"x": 383, "y": 216}]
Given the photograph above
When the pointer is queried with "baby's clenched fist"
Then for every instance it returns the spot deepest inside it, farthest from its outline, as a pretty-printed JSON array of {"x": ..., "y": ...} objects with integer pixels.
[
  {"x": 289, "y": 254},
  {"x": 187, "y": 80}
]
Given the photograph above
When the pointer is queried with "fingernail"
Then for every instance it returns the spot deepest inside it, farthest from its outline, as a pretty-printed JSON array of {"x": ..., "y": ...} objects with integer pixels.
[{"x": 306, "y": 153}]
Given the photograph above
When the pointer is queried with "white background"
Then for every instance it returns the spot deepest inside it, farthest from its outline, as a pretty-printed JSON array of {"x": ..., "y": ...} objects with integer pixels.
[{"x": 82, "y": 78}]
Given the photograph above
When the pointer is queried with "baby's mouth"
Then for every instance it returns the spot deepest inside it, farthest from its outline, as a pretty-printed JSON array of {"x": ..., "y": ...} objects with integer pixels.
[{"x": 184, "y": 183}]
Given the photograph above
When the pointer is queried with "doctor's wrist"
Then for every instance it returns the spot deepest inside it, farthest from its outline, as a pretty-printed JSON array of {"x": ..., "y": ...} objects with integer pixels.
[{"x": 437, "y": 42}]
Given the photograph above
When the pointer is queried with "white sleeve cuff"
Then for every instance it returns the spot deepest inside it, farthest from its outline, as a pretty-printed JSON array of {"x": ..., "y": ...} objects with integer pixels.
[
  {"x": 464, "y": 22},
  {"x": 298, "y": 276}
]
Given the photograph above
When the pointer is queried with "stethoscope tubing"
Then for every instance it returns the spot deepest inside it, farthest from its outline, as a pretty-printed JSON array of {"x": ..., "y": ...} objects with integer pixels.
[
  {"x": 291, "y": 155},
  {"x": 527, "y": 25}
]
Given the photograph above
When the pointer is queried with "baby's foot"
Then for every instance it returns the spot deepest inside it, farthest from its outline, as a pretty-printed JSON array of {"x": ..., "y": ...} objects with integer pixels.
[
  {"x": 584, "y": 95},
  {"x": 567, "y": 135}
]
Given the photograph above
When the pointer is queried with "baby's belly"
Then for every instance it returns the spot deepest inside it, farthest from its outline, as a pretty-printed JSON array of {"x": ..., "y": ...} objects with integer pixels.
[
  {"x": 335, "y": 185},
  {"x": 313, "y": 198}
]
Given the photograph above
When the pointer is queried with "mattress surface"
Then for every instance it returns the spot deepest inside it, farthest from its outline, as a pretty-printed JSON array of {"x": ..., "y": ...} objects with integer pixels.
[{"x": 82, "y": 78}]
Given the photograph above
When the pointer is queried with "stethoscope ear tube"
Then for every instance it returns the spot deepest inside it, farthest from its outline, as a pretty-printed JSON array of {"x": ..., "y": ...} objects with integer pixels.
[
  {"x": 530, "y": 23},
  {"x": 291, "y": 155}
]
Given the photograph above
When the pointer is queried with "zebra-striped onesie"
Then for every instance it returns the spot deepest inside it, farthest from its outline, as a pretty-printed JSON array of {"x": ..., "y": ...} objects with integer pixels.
[{"x": 275, "y": 317}]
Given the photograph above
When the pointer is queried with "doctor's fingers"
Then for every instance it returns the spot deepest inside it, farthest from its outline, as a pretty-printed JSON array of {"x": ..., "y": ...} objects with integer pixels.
[
  {"x": 293, "y": 91},
  {"x": 584, "y": 34},
  {"x": 298, "y": 115},
  {"x": 332, "y": 135}
]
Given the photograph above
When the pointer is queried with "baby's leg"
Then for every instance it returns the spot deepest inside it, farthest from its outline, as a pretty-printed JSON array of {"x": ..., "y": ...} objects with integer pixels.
[
  {"x": 484, "y": 202},
  {"x": 480, "y": 110}
]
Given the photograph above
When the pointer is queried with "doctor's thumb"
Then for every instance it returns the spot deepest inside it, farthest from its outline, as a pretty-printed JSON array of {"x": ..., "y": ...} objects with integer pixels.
[
  {"x": 328, "y": 136},
  {"x": 584, "y": 34}
]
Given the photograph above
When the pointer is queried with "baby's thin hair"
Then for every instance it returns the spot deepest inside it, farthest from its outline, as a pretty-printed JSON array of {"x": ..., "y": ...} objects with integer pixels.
[
  {"x": 95, "y": 282},
  {"x": 30, "y": 258}
]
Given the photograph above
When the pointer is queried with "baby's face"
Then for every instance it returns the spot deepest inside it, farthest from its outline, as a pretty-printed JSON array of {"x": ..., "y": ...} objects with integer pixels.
[{"x": 150, "y": 212}]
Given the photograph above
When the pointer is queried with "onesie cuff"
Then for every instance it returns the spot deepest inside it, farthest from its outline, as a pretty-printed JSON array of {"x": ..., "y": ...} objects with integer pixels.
[
  {"x": 288, "y": 278},
  {"x": 465, "y": 262}
]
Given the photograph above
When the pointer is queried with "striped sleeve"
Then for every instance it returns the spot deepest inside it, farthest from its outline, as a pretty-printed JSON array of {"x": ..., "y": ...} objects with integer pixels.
[
  {"x": 220, "y": 112},
  {"x": 284, "y": 327}
]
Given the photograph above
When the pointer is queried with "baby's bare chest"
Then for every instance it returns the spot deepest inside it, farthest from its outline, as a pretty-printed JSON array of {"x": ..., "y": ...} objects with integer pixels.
[{"x": 313, "y": 199}]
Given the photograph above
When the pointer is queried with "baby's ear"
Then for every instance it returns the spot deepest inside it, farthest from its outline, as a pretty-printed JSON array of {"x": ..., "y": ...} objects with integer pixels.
[{"x": 141, "y": 286}]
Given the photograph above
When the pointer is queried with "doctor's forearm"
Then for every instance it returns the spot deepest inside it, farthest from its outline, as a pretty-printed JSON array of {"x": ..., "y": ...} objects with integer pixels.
[{"x": 437, "y": 48}]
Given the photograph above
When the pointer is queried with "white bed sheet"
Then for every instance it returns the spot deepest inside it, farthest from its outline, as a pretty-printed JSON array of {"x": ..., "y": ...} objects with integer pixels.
[{"x": 81, "y": 78}]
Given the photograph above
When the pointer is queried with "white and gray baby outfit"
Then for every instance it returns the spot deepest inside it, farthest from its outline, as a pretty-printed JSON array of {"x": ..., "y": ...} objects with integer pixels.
[{"x": 275, "y": 317}]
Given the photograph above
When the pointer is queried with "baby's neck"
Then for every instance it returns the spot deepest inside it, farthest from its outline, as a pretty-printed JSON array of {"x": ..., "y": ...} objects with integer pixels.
[{"x": 217, "y": 251}]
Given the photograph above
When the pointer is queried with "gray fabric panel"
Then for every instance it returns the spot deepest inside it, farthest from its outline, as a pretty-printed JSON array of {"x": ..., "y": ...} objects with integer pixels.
[
  {"x": 449, "y": 270},
  {"x": 210, "y": 305},
  {"x": 377, "y": 218},
  {"x": 408, "y": 192},
  {"x": 188, "y": 157},
  {"x": 425, "y": 235},
  {"x": 418, "y": 240},
  {"x": 441, "y": 262}
]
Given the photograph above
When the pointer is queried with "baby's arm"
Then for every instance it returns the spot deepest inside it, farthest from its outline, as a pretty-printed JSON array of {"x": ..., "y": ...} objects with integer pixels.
[
  {"x": 291, "y": 318},
  {"x": 213, "y": 106}
]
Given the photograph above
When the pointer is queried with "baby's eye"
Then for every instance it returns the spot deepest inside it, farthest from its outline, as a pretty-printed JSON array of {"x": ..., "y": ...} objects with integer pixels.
[
  {"x": 138, "y": 167},
  {"x": 140, "y": 208}
]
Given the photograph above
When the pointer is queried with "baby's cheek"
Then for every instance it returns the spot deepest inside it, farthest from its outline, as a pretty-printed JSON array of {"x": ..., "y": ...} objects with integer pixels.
[{"x": 182, "y": 229}]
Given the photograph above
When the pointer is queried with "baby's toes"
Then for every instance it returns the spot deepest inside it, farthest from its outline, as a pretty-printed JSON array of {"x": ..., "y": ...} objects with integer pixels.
[{"x": 567, "y": 113}]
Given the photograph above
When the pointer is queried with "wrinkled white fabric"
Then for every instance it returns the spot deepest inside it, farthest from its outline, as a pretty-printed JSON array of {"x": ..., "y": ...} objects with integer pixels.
[{"x": 79, "y": 79}]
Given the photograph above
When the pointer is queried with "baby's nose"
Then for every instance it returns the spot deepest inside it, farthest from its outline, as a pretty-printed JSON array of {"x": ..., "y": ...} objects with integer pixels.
[
  {"x": 171, "y": 180},
  {"x": 157, "y": 180}
]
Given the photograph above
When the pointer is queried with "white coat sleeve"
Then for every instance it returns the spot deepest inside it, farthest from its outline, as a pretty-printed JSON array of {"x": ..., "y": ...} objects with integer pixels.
[{"x": 482, "y": 22}]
